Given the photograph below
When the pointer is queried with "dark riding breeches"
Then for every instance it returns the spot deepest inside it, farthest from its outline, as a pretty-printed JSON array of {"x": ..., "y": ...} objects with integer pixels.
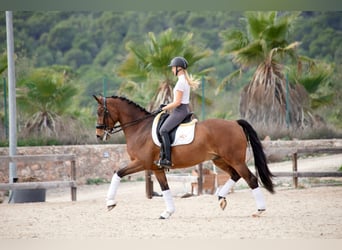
[{"x": 175, "y": 118}]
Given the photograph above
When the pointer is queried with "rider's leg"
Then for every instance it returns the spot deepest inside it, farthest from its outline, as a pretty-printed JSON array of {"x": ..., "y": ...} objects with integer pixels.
[
  {"x": 176, "y": 117},
  {"x": 166, "y": 146}
]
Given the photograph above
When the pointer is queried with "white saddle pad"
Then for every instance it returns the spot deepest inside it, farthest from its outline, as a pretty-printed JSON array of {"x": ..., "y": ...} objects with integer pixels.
[{"x": 184, "y": 135}]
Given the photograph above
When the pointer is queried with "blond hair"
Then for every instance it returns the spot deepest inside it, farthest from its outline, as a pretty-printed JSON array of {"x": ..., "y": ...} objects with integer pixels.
[{"x": 192, "y": 81}]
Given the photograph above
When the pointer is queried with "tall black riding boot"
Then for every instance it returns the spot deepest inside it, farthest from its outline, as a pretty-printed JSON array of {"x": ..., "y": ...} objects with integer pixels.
[
  {"x": 161, "y": 155},
  {"x": 166, "y": 148}
]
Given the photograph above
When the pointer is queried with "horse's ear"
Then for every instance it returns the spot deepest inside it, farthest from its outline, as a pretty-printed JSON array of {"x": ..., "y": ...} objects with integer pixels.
[{"x": 97, "y": 99}]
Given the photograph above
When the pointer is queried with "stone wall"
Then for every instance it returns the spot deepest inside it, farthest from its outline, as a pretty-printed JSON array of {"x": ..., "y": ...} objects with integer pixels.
[
  {"x": 100, "y": 161},
  {"x": 93, "y": 162}
]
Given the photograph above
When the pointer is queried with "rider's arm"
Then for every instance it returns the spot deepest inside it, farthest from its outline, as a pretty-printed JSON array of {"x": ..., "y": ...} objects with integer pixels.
[{"x": 176, "y": 102}]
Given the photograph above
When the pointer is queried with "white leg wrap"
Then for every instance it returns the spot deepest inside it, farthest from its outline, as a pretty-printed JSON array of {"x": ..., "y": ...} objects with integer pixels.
[
  {"x": 170, "y": 207},
  {"x": 112, "y": 190},
  {"x": 259, "y": 198},
  {"x": 223, "y": 192}
]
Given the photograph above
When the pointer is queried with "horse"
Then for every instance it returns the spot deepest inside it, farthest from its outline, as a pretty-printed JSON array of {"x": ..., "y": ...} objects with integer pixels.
[{"x": 224, "y": 142}]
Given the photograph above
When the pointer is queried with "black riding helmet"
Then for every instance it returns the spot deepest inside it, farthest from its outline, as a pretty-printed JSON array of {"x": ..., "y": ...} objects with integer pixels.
[{"x": 179, "y": 62}]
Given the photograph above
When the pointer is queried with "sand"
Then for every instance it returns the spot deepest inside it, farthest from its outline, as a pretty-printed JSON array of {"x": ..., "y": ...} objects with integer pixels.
[{"x": 305, "y": 213}]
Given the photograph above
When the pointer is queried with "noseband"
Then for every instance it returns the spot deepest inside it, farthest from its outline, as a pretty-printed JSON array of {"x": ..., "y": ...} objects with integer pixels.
[{"x": 108, "y": 130}]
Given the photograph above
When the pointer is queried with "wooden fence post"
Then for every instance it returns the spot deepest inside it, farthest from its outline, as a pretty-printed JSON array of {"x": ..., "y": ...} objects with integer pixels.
[
  {"x": 73, "y": 177},
  {"x": 200, "y": 179},
  {"x": 294, "y": 169},
  {"x": 148, "y": 184}
]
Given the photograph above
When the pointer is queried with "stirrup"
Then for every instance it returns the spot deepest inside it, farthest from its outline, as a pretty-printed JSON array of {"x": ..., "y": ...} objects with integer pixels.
[
  {"x": 163, "y": 163},
  {"x": 157, "y": 163}
]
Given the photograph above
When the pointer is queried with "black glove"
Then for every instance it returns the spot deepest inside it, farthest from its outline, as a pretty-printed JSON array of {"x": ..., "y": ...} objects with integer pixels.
[
  {"x": 160, "y": 109},
  {"x": 162, "y": 106}
]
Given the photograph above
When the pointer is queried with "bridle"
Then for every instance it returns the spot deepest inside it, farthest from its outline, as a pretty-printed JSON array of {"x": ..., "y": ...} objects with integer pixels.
[{"x": 106, "y": 116}]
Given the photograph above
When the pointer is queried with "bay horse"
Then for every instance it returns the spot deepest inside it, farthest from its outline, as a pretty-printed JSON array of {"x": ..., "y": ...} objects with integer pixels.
[{"x": 221, "y": 141}]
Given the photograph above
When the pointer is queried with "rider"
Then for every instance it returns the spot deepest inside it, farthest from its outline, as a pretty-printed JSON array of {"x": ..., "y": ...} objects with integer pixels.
[{"x": 180, "y": 106}]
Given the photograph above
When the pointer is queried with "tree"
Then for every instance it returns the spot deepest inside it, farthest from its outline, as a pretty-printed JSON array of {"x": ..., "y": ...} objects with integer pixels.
[
  {"x": 61, "y": 36},
  {"x": 3, "y": 62},
  {"x": 77, "y": 57},
  {"x": 43, "y": 98},
  {"x": 3, "y": 67},
  {"x": 269, "y": 101},
  {"x": 146, "y": 66}
]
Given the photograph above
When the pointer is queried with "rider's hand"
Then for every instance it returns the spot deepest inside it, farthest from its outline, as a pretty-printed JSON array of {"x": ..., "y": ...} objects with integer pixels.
[{"x": 162, "y": 106}]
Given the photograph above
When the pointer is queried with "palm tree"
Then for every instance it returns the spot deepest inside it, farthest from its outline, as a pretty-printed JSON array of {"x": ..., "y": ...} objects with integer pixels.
[
  {"x": 146, "y": 66},
  {"x": 44, "y": 97},
  {"x": 269, "y": 100},
  {"x": 316, "y": 79}
]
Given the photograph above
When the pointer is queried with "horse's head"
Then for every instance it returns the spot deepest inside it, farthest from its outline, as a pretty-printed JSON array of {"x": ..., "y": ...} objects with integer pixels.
[{"x": 105, "y": 119}]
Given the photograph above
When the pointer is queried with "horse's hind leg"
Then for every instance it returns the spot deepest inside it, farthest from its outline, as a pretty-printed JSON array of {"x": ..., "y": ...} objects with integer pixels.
[
  {"x": 252, "y": 182},
  {"x": 236, "y": 172},
  {"x": 225, "y": 189},
  {"x": 170, "y": 207}
]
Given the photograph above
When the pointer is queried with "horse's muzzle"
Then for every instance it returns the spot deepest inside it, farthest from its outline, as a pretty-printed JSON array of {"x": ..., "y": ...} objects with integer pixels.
[{"x": 103, "y": 136}]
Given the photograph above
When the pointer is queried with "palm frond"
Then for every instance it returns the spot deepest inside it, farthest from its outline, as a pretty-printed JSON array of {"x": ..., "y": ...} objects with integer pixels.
[
  {"x": 205, "y": 71},
  {"x": 258, "y": 22},
  {"x": 132, "y": 69},
  {"x": 129, "y": 87},
  {"x": 250, "y": 55},
  {"x": 319, "y": 101},
  {"x": 312, "y": 82},
  {"x": 227, "y": 80},
  {"x": 234, "y": 40}
]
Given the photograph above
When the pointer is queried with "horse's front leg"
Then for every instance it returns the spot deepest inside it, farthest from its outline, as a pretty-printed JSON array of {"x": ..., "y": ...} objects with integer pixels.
[
  {"x": 133, "y": 167},
  {"x": 170, "y": 207}
]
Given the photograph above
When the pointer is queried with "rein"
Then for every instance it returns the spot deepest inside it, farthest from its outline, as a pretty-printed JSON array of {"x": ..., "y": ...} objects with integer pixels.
[{"x": 119, "y": 127}]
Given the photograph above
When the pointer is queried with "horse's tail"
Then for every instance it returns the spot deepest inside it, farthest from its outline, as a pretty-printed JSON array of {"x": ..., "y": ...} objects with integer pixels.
[{"x": 259, "y": 156}]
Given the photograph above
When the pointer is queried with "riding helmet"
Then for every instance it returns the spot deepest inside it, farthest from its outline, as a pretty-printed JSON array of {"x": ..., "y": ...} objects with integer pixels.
[{"x": 179, "y": 62}]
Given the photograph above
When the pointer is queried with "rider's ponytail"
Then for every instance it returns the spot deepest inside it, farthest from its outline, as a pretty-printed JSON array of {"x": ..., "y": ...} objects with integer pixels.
[{"x": 192, "y": 81}]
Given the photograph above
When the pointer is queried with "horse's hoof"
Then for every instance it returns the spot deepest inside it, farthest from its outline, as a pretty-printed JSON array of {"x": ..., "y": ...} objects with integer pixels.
[
  {"x": 259, "y": 213},
  {"x": 110, "y": 204},
  {"x": 223, "y": 203},
  {"x": 165, "y": 215},
  {"x": 109, "y": 208}
]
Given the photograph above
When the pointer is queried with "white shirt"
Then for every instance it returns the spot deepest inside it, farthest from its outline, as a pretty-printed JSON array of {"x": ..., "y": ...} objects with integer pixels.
[{"x": 183, "y": 86}]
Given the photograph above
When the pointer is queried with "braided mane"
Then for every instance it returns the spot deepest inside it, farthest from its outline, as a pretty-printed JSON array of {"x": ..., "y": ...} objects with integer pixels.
[{"x": 131, "y": 102}]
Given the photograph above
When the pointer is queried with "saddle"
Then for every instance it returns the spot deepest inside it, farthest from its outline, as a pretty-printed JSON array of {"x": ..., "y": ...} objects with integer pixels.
[{"x": 180, "y": 135}]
